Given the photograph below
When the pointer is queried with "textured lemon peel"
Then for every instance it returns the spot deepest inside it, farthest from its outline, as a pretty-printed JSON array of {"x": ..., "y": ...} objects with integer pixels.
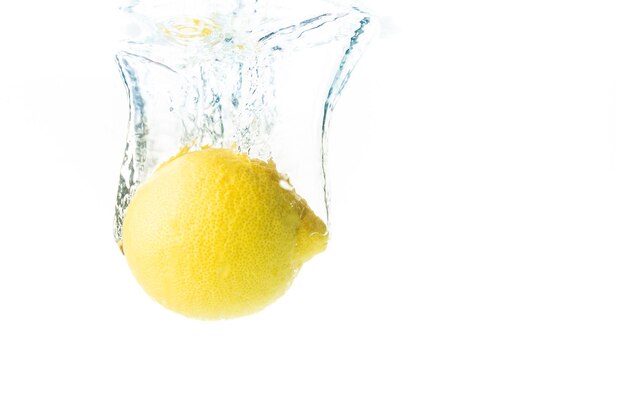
[{"x": 213, "y": 234}]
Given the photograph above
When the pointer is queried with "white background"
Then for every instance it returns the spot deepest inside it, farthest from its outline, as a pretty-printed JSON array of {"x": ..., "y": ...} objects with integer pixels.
[{"x": 478, "y": 261}]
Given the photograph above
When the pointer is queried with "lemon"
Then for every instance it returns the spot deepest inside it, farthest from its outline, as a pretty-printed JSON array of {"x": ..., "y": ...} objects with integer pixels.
[{"x": 215, "y": 234}]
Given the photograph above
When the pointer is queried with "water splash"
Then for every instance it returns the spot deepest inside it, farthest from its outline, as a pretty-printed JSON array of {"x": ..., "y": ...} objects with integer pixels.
[{"x": 211, "y": 79}]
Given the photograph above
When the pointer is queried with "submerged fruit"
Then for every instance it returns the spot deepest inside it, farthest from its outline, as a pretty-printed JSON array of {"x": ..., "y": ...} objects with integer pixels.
[{"x": 214, "y": 234}]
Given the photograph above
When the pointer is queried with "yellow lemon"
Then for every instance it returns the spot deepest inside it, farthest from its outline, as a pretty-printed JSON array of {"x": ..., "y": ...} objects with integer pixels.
[{"x": 215, "y": 234}]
